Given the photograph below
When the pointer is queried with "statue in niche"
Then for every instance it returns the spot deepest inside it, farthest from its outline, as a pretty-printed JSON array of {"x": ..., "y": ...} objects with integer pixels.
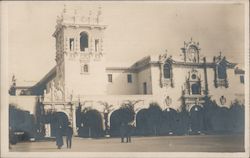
[{"x": 58, "y": 94}]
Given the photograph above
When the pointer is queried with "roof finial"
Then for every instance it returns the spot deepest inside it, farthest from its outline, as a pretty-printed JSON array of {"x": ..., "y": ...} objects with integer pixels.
[
  {"x": 90, "y": 14},
  {"x": 64, "y": 8},
  {"x": 99, "y": 13}
]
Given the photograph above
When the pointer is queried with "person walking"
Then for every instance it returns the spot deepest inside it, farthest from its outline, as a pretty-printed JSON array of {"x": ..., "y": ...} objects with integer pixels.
[
  {"x": 69, "y": 133},
  {"x": 59, "y": 137}
]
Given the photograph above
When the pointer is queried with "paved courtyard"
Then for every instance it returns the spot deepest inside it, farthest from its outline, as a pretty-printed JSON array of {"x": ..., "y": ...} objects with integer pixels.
[{"x": 200, "y": 143}]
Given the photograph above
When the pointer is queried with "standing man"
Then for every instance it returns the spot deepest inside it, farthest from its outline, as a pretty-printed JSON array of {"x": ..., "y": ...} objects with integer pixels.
[
  {"x": 122, "y": 131},
  {"x": 59, "y": 137},
  {"x": 129, "y": 132},
  {"x": 69, "y": 133}
]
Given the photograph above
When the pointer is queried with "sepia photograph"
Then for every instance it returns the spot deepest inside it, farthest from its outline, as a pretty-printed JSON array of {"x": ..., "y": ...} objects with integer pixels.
[{"x": 124, "y": 78}]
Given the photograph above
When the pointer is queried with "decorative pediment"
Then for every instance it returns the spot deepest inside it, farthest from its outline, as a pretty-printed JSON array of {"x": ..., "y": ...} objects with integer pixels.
[
  {"x": 222, "y": 60},
  {"x": 165, "y": 58},
  {"x": 193, "y": 75},
  {"x": 191, "y": 51},
  {"x": 166, "y": 71}
]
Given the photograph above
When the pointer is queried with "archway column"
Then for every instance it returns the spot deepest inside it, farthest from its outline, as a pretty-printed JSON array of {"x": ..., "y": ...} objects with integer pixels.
[
  {"x": 47, "y": 126},
  {"x": 74, "y": 119},
  {"x": 47, "y": 130}
]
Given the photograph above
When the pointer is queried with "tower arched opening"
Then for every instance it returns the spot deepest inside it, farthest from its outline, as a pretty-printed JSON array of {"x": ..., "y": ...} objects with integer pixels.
[{"x": 84, "y": 41}]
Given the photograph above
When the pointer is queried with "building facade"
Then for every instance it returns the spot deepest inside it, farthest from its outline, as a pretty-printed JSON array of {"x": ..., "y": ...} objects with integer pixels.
[{"x": 82, "y": 79}]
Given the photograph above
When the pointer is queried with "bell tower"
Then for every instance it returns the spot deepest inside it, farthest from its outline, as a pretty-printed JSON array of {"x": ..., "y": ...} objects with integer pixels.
[{"x": 80, "y": 59}]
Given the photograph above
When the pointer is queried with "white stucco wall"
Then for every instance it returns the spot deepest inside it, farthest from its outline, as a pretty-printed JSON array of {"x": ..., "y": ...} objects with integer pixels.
[
  {"x": 119, "y": 84},
  {"x": 179, "y": 78},
  {"x": 77, "y": 83},
  {"x": 231, "y": 93},
  {"x": 145, "y": 75},
  {"x": 90, "y": 83}
]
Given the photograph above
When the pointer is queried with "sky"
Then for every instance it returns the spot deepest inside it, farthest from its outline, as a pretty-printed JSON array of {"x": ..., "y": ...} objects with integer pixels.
[{"x": 135, "y": 30}]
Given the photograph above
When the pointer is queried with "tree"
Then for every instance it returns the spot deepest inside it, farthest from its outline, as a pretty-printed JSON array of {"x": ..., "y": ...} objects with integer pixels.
[
  {"x": 93, "y": 123},
  {"x": 154, "y": 117},
  {"x": 237, "y": 116},
  {"x": 107, "y": 108},
  {"x": 142, "y": 122},
  {"x": 210, "y": 109},
  {"x": 125, "y": 114}
]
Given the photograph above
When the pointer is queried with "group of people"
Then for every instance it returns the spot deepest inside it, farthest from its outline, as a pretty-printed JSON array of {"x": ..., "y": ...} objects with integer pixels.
[
  {"x": 126, "y": 131},
  {"x": 59, "y": 137}
]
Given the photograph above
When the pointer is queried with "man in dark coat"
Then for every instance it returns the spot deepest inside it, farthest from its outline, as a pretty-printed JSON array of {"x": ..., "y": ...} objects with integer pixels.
[
  {"x": 59, "y": 137},
  {"x": 129, "y": 128},
  {"x": 122, "y": 131},
  {"x": 69, "y": 133}
]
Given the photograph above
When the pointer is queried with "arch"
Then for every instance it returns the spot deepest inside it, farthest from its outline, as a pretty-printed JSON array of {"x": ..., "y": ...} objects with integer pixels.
[
  {"x": 122, "y": 115},
  {"x": 84, "y": 41},
  {"x": 195, "y": 88},
  {"x": 115, "y": 123},
  {"x": 59, "y": 121},
  {"x": 154, "y": 118},
  {"x": 63, "y": 111},
  {"x": 182, "y": 123},
  {"x": 196, "y": 119},
  {"x": 167, "y": 71},
  {"x": 169, "y": 121},
  {"x": 142, "y": 122},
  {"x": 91, "y": 124}
]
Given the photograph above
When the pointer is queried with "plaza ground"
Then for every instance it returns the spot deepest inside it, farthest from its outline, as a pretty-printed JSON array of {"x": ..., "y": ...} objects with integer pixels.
[{"x": 198, "y": 143}]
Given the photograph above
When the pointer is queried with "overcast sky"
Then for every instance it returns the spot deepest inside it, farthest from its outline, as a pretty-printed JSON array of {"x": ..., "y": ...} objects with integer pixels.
[{"x": 135, "y": 29}]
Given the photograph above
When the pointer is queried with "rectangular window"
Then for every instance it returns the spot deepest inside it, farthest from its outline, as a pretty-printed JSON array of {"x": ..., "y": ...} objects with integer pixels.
[
  {"x": 145, "y": 88},
  {"x": 110, "y": 78},
  {"x": 96, "y": 45},
  {"x": 84, "y": 69},
  {"x": 129, "y": 78},
  {"x": 71, "y": 44},
  {"x": 242, "y": 79}
]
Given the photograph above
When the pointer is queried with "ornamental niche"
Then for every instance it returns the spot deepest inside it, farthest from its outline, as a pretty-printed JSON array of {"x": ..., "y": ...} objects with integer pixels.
[
  {"x": 193, "y": 84},
  {"x": 191, "y": 52},
  {"x": 220, "y": 71},
  {"x": 166, "y": 71}
]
